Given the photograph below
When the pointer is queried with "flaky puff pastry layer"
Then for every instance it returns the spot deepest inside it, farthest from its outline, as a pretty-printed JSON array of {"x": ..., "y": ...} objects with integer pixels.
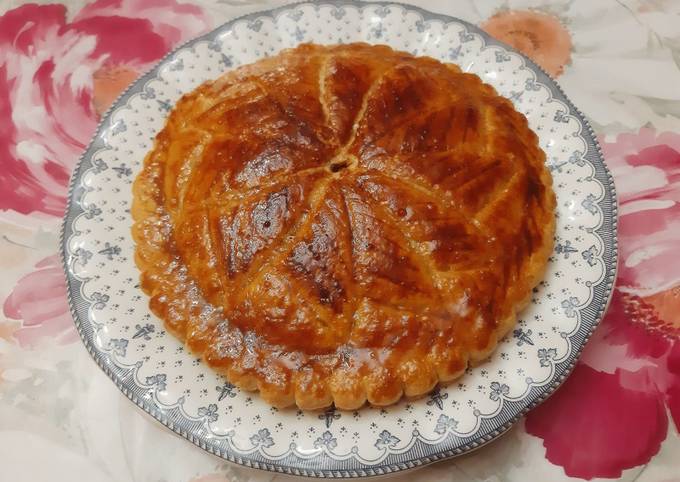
[{"x": 342, "y": 224}]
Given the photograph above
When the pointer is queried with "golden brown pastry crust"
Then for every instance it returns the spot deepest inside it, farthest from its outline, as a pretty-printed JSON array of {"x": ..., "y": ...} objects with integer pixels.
[{"x": 342, "y": 224}]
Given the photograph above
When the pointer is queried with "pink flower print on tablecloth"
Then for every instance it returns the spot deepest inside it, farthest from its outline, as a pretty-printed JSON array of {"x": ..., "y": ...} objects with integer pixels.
[
  {"x": 39, "y": 300},
  {"x": 611, "y": 413},
  {"x": 56, "y": 78},
  {"x": 539, "y": 36}
]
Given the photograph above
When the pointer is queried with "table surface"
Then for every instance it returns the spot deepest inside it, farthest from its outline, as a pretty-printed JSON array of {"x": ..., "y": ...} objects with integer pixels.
[{"x": 62, "y": 64}]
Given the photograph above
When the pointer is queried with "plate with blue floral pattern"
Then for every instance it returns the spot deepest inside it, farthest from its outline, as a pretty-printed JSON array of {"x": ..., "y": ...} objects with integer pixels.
[{"x": 154, "y": 370}]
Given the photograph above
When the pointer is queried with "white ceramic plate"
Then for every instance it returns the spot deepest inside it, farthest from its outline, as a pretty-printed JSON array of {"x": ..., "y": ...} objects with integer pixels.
[{"x": 156, "y": 373}]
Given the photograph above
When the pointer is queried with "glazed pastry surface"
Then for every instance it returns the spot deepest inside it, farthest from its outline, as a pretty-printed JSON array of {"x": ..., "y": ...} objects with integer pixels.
[{"x": 337, "y": 224}]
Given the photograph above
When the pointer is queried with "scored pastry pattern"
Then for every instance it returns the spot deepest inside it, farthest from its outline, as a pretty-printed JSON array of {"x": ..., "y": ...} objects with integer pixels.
[{"x": 362, "y": 223}]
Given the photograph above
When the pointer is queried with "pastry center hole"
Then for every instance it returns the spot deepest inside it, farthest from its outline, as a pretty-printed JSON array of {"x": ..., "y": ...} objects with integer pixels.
[{"x": 338, "y": 166}]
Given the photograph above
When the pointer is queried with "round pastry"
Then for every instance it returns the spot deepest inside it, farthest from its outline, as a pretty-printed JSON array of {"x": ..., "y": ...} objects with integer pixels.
[{"x": 337, "y": 224}]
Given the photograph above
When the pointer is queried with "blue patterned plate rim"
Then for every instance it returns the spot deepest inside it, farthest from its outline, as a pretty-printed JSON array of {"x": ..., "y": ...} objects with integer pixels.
[{"x": 419, "y": 454}]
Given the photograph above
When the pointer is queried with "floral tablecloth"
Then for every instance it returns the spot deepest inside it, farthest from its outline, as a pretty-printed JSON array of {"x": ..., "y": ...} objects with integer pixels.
[{"x": 62, "y": 64}]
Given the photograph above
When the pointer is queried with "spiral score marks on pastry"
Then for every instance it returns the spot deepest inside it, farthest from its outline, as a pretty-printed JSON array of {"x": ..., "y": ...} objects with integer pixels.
[{"x": 337, "y": 224}]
